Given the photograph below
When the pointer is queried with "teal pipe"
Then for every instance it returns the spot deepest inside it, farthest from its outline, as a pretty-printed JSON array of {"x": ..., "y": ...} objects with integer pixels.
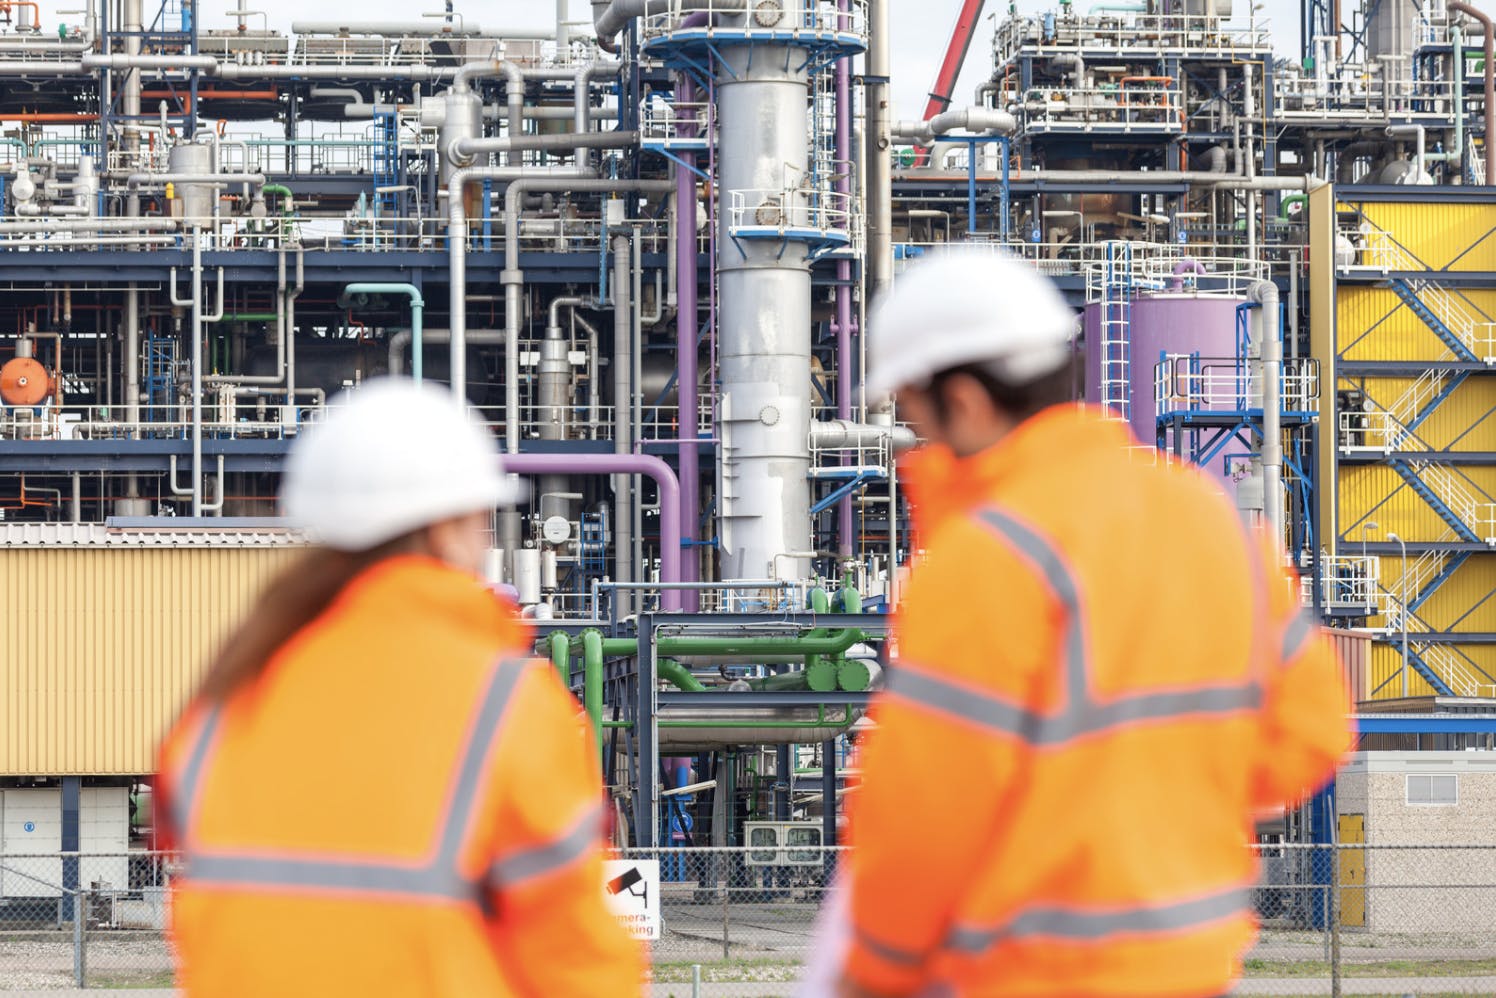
[
  {"x": 1119, "y": 8},
  {"x": 416, "y": 307}
]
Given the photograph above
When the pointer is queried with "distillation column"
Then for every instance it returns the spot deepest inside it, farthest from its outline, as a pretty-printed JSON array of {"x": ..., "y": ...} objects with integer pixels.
[{"x": 764, "y": 313}]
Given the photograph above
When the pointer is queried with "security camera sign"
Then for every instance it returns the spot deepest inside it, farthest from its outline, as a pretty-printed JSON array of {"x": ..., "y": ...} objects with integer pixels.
[{"x": 631, "y": 888}]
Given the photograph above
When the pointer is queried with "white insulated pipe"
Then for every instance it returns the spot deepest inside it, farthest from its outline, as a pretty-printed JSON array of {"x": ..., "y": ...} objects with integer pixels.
[{"x": 1265, "y": 293}]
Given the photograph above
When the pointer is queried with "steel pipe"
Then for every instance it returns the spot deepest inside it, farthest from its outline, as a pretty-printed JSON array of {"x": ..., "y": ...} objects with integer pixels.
[{"x": 1461, "y": 7}]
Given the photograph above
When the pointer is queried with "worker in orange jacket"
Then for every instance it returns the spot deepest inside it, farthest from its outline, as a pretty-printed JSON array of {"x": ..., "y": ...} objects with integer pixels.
[
  {"x": 375, "y": 792},
  {"x": 1101, "y": 674}
]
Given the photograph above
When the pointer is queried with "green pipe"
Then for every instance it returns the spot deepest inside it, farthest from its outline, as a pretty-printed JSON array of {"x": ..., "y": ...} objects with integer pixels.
[
  {"x": 820, "y": 722},
  {"x": 1457, "y": 48},
  {"x": 244, "y": 317},
  {"x": 818, "y": 600},
  {"x": 852, "y": 675},
  {"x": 833, "y": 643},
  {"x": 416, "y": 307},
  {"x": 560, "y": 647},
  {"x": 1291, "y": 199},
  {"x": 819, "y": 675},
  {"x": 592, "y": 682},
  {"x": 679, "y": 675}
]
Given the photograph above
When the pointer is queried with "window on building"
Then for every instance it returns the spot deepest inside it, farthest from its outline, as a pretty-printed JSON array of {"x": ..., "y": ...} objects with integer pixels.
[{"x": 1433, "y": 790}]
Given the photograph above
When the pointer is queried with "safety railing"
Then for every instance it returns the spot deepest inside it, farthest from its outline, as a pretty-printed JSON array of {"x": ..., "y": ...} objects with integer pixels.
[
  {"x": 1137, "y": 108},
  {"x": 676, "y": 123},
  {"x": 1347, "y": 584},
  {"x": 1135, "y": 32},
  {"x": 1365, "y": 246},
  {"x": 1185, "y": 383},
  {"x": 781, "y": 20},
  {"x": 792, "y": 213},
  {"x": 1355, "y": 92},
  {"x": 1375, "y": 430},
  {"x": 1472, "y": 509}
]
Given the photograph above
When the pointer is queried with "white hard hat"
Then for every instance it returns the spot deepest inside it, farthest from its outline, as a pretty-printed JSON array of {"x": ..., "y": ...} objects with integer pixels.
[
  {"x": 966, "y": 305},
  {"x": 389, "y": 458}
]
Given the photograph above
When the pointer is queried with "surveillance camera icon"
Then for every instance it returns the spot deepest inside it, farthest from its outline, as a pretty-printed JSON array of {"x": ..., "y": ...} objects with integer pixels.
[{"x": 632, "y": 881}]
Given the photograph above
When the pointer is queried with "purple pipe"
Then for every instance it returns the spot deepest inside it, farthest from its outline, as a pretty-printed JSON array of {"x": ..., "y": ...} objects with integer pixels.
[
  {"x": 1189, "y": 265},
  {"x": 685, "y": 344},
  {"x": 622, "y": 464},
  {"x": 844, "y": 545}
]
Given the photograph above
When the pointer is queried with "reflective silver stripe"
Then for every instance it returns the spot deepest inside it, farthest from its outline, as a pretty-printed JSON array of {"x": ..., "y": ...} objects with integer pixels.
[
  {"x": 1086, "y": 718},
  {"x": 537, "y": 861},
  {"x": 892, "y": 954},
  {"x": 1091, "y": 926},
  {"x": 963, "y": 702},
  {"x": 484, "y": 732},
  {"x": 438, "y": 878},
  {"x": 1045, "y": 558},
  {"x": 292, "y": 875},
  {"x": 1296, "y": 635},
  {"x": 184, "y": 798}
]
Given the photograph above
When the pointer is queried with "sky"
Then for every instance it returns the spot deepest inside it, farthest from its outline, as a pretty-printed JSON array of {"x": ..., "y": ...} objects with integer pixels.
[{"x": 920, "y": 29}]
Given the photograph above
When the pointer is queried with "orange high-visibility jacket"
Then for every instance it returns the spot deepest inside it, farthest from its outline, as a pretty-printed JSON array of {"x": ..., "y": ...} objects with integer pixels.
[
  {"x": 402, "y": 804},
  {"x": 1101, "y": 674}
]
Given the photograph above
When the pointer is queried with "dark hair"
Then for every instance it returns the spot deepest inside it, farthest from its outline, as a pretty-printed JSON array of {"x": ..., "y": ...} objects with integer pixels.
[
  {"x": 295, "y": 598},
  {"x": 1019, "y": 400}
]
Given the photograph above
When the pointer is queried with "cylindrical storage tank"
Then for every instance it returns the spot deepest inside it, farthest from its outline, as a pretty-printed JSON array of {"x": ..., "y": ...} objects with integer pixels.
[
  {"x": 527, "y": 575},
  {"x": 554, "y": 385},
  {"x": 1161, "y": 324},
  {"x": 24, "y": 381},
  {"x": 191, "y": 201},
  {"x": 463, "y": 120}
]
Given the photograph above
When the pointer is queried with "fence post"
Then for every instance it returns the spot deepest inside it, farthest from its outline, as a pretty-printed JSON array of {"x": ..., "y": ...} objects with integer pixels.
[
  {"x": 1334, "y": 920},
  {"x": 80, "y": 972},
  {"x": 695, "y": 980},
  {"x": 726, "y": 918}
]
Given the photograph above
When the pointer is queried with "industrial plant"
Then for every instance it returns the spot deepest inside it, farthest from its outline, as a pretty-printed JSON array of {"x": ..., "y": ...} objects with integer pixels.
[{"x": 643, "y": 248}]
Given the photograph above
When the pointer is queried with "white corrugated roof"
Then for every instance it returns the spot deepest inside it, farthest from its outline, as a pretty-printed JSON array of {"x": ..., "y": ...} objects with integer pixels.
[{"x": 98, "y": 535}]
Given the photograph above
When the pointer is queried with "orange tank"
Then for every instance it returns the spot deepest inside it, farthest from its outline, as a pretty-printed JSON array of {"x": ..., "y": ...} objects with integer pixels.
[{"x": 24, "y": 381}]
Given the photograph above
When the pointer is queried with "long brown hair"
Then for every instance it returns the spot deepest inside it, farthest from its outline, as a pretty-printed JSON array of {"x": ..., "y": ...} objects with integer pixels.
[{"x": 296, "y": 597}]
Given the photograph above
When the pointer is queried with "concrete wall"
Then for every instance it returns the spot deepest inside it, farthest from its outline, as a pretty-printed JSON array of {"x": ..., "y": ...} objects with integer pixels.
[{"x": 1429, "y": 867}]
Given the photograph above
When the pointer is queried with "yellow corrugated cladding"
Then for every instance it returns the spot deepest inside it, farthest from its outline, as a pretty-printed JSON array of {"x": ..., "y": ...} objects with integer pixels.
[
  {"x": 1461, "y": 599},
  {"x": 1363, "y": 489},
  {"x": 1372, "y": 323},
  {"x": 1386, "y": 665},
  {"x": 102, "y": 646},
  {"x": 1462, "y": 422},
  {"x": 1445, "y": 235}
]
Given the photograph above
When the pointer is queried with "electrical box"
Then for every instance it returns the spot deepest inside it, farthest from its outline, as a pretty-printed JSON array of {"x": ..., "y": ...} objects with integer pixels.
[{"x": 783, "y": 843}]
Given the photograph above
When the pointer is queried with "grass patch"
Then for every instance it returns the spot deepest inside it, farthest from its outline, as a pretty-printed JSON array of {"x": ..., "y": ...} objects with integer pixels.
[
  {"x": 759, "y": 970},
  {"x": 130, "y": 982},
  {"x": 1379, "y": 968}
]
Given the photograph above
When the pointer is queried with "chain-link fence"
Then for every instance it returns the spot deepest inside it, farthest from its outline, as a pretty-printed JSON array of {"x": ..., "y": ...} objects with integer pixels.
[
  {"x": 1350, "y": 919},
  {"x": 84, "y": 920}
]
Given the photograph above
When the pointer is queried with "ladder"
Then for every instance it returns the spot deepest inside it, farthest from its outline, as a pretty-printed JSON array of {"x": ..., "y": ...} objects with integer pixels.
[
  {"x": 160, "y": 380},
  {"x": 1116, "y": 320},
  {"x": 387, "y": 163}
]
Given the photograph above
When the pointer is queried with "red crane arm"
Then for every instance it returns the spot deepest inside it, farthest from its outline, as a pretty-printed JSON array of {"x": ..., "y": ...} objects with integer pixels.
[{"x": 955, "y": 55}]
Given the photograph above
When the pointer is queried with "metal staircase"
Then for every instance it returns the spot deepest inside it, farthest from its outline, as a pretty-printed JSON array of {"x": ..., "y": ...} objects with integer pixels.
[
  {"x": 1439, "y": 311},
  {"x": 387, "y": 163},
  {"x": 1448, "y": 495}
]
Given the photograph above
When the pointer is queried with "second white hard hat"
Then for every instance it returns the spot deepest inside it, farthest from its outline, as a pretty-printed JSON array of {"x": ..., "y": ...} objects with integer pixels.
[
  {"x": 966, "y": 305},
  {"x": 391, "y": 457}
]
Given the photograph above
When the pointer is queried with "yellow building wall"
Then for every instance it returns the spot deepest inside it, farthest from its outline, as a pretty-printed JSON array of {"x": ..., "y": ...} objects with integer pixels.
[
  {"x": 1439, "y": 234},
  {"x": 1373, "y": 324},
  {"x": 102, "y": 646},
  {"x": 1386, "y": 666},
  {"x": 1465, "y": 421},
  {"x": 1376, "y": 492}
]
